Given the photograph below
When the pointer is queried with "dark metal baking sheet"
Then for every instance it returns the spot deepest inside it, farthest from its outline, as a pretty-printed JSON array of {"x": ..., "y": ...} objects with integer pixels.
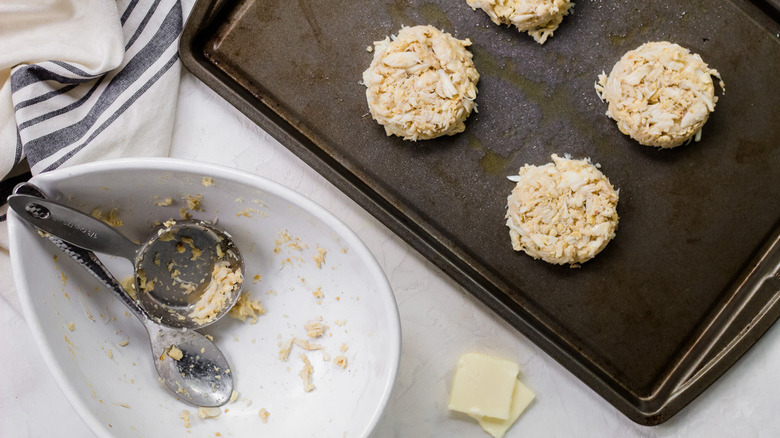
[{"x": 691, "y": 280}]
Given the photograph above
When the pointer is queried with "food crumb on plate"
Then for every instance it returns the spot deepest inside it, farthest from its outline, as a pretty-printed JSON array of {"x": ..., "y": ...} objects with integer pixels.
[
  {"x": 204, "y": 412},
  {"x": 246, "y": 308},
  {"x": 71, "y": 326},
  {"x": 207, "y": 181},
  {"x": 306, "y": 345},
  {"x": 284, "y": 353},
  {"x": 341, "y": 361},
  {"x": 306, "y": 373},
  {"x": 185, "y": 416},
  {"x": 319, "y": 258},
  {"x": 233, "y": 396},
  {"x": 163, "y": 202},
  {"x": 263, "y": 415},
  {"x": 315, "y": 329},
  {"x": 194, "y": 203}
]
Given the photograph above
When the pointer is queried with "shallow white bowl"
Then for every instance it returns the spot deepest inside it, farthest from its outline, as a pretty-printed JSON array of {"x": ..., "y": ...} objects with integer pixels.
[{"x": 115, "y": 388}]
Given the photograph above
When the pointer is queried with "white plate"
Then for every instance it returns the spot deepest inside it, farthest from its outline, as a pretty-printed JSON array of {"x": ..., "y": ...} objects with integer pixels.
[{"x": 115, "y": 388}]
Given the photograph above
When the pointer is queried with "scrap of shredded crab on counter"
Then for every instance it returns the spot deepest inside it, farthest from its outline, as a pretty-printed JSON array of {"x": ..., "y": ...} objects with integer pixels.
[
  {"x": 421, "y": 83},
  {"x": 660, "y": 94},
  {"x": 540, "y": 18},
  {"x": 564, "y": 212},
  {"x": 224, "y": 281}
]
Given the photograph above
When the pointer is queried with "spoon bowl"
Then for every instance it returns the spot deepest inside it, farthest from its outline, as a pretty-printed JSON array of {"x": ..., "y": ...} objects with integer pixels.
[{"x": 182, "y": 268}]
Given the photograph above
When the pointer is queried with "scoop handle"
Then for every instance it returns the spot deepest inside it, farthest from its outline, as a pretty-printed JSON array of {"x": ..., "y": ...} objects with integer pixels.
[
  {"x": 72, "y": 226},
  {"x": 89, "y": 261}
]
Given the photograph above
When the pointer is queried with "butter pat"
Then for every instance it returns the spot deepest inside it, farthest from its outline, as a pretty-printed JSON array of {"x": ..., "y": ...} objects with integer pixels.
[
  {"x": 521, "y": 399},
  {"x": 483, "y": 386}
]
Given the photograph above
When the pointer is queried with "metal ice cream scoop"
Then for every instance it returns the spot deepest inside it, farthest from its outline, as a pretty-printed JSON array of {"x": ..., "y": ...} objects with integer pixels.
[
  {"x": 187, "y": 274},
  {"x": 190, "y": 364}
]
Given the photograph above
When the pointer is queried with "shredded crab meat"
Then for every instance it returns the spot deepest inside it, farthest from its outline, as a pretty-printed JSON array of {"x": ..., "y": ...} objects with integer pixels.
[
  {"x": 306, "y": 345},
  {"x": 306, "y": 373},
  {"x": 284, "y": 352},
  {"x": 314, "y": 328},
  {"x": 224, "y": 281},
  {"x": 660, "y": 94},
  {"x": 564, "y": 212},
  {"x": 540, "y": 18},
  {"x": 246, "y": 308},
  {"x": 206, "y": 412},
  {"x": 421, "y": 83}
]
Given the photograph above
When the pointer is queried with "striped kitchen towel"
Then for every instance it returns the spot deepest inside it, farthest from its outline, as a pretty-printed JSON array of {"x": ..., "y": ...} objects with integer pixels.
[{"x": 86, "y": 80}]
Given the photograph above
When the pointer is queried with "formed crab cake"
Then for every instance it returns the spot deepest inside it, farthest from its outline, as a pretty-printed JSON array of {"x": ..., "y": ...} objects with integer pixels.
[
  {"x": 540, "y": 18},
  {"x": 421, "y": 83},
  {"x": 660, "y": 94},
  {"x": 564, "y": 212}
]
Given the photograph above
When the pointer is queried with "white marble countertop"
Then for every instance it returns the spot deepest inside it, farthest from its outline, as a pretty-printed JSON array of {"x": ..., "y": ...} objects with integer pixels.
[{"x": 440, "y": 321}]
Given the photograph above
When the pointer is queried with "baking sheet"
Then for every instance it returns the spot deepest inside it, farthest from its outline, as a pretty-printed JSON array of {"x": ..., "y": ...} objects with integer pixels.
[{"x": 688, "y": 284}]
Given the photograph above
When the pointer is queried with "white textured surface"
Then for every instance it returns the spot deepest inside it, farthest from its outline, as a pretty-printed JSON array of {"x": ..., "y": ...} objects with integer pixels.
[{"x": 439, "y": 322}]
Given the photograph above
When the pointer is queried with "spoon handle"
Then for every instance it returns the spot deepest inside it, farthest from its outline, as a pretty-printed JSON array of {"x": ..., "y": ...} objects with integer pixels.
[
  {"x": 86, "y": 258},
  {"x": 72, "y": 226},
  {"x": 89, "y": 261}
]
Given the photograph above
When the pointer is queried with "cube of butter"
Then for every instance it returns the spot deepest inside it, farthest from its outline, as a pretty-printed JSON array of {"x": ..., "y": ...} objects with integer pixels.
[
  {"x": 521, "y": 399},
  {"x": 483, "y": 386}
]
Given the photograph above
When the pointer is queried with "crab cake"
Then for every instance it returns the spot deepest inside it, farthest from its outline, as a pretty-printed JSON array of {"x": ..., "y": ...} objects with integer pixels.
[
  {"x": 564, "y": 212},
  {"x": 660, "y": 94},
  {"x": 421, "y": 83},
  {"x": 540, "y": 18}
]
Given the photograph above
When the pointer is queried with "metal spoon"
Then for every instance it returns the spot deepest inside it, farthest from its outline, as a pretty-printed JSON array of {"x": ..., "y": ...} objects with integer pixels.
[
  {"x": 201, "y": 376},
  {"x": 187, "y": 274}
]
